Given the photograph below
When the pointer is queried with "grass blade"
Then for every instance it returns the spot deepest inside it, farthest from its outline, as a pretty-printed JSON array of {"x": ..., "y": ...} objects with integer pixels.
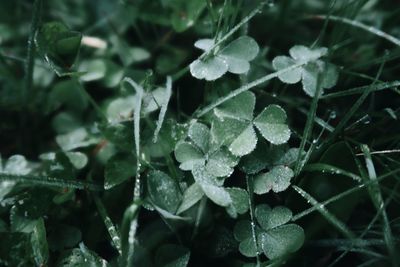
[
  {"x": 362, "y": 26},
  {"x": 250, "y": 189},
  {"x": 30, "y": 58},
  {"x": 308, "y": 129},
  {"x": 112, "y": 230},
  {"x": 163, "y": 110},
  {"x": 325, "y": 213},
  {"x": 51, "y": 182},
  {"x": 343, "y": 194},
  {"x": 362, "y": 89},
  {"x": 136, "y": 191},
  {"x": 322, "y": 167},
  {"x": 377, "y": 199}
]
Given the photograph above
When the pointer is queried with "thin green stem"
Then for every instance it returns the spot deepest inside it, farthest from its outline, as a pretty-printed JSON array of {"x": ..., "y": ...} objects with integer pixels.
[
  {"x": 199, "y": 215},
  {"x": 250, "y": 190},
  {"x": 308, "y": 128},
  {"x": 30, "y": 58},
  {"x": 343, "y": 122},
  {"x": 91, "y": 100}
]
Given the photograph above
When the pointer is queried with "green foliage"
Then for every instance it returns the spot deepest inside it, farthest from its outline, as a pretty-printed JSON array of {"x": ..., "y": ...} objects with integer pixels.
[
  {"x": 234, "y": 58},
  {"x": 234, "y": 124},
  {"x": 312, "y": 75},
  {"x": 122, "y": 145},
  {"x": 274, "y": 237}
]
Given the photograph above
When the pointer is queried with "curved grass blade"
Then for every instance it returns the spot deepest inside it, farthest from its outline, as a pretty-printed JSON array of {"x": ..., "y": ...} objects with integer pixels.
[
  {"x": 128, "y": 232},
  {"x": 163, "y": 110},
  {"x": 133, "y": 223},
  {"x": 362, "y": 26}
]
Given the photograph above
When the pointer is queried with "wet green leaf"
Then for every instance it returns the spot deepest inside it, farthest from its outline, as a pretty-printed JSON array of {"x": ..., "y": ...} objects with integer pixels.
[
  {"x": 234, "y": 58},
  {"x": 313, "y": 74},
  {"x": 164, "y": 191},
  {"x": 118, "y": 169},
  {"x": 58, "y": 44},
  {"x": 277, "y": 180}
]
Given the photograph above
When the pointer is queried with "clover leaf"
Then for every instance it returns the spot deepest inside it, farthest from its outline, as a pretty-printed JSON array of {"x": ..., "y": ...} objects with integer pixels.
[
  {"x": 274, "y": 237},
  {"x": 199, "y": 150},
  {"x": 312, "y": 74},
  {"x": 234, "y": 58},
  {"x": 277, "y": 180},
  {"x": 211, "y": 187},
  {"x": 234, "y": 124},
  {"x": 208, "y": 163},
  {"x": 164, "y": 191}
]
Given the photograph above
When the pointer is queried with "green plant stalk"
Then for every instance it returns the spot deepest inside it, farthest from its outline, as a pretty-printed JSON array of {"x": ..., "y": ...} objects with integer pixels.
[
  {"x": 221, "y": 16},
  {"x": 91, "y": 100},
  {"x": 300, "y": 162},
  {"x": 377, "y": 199},
  {"x": 136, "y": 190},
  {"x": 163, "y": 109},
  {"x": 212, "y": 14},
  {"x": 252, "y": 84},
  {"x": 112, "y": 230},
  {"x": 250, "y": 189},
  {"x": 325, "y": 26},
  {"x": 352, "y": 110},
  {"x": 30, "y": 58},
  {"x": 199, "y": 215}
]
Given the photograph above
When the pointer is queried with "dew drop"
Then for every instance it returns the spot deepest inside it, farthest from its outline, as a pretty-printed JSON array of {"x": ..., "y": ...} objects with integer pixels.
[{"x": 271, "y": 3}]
